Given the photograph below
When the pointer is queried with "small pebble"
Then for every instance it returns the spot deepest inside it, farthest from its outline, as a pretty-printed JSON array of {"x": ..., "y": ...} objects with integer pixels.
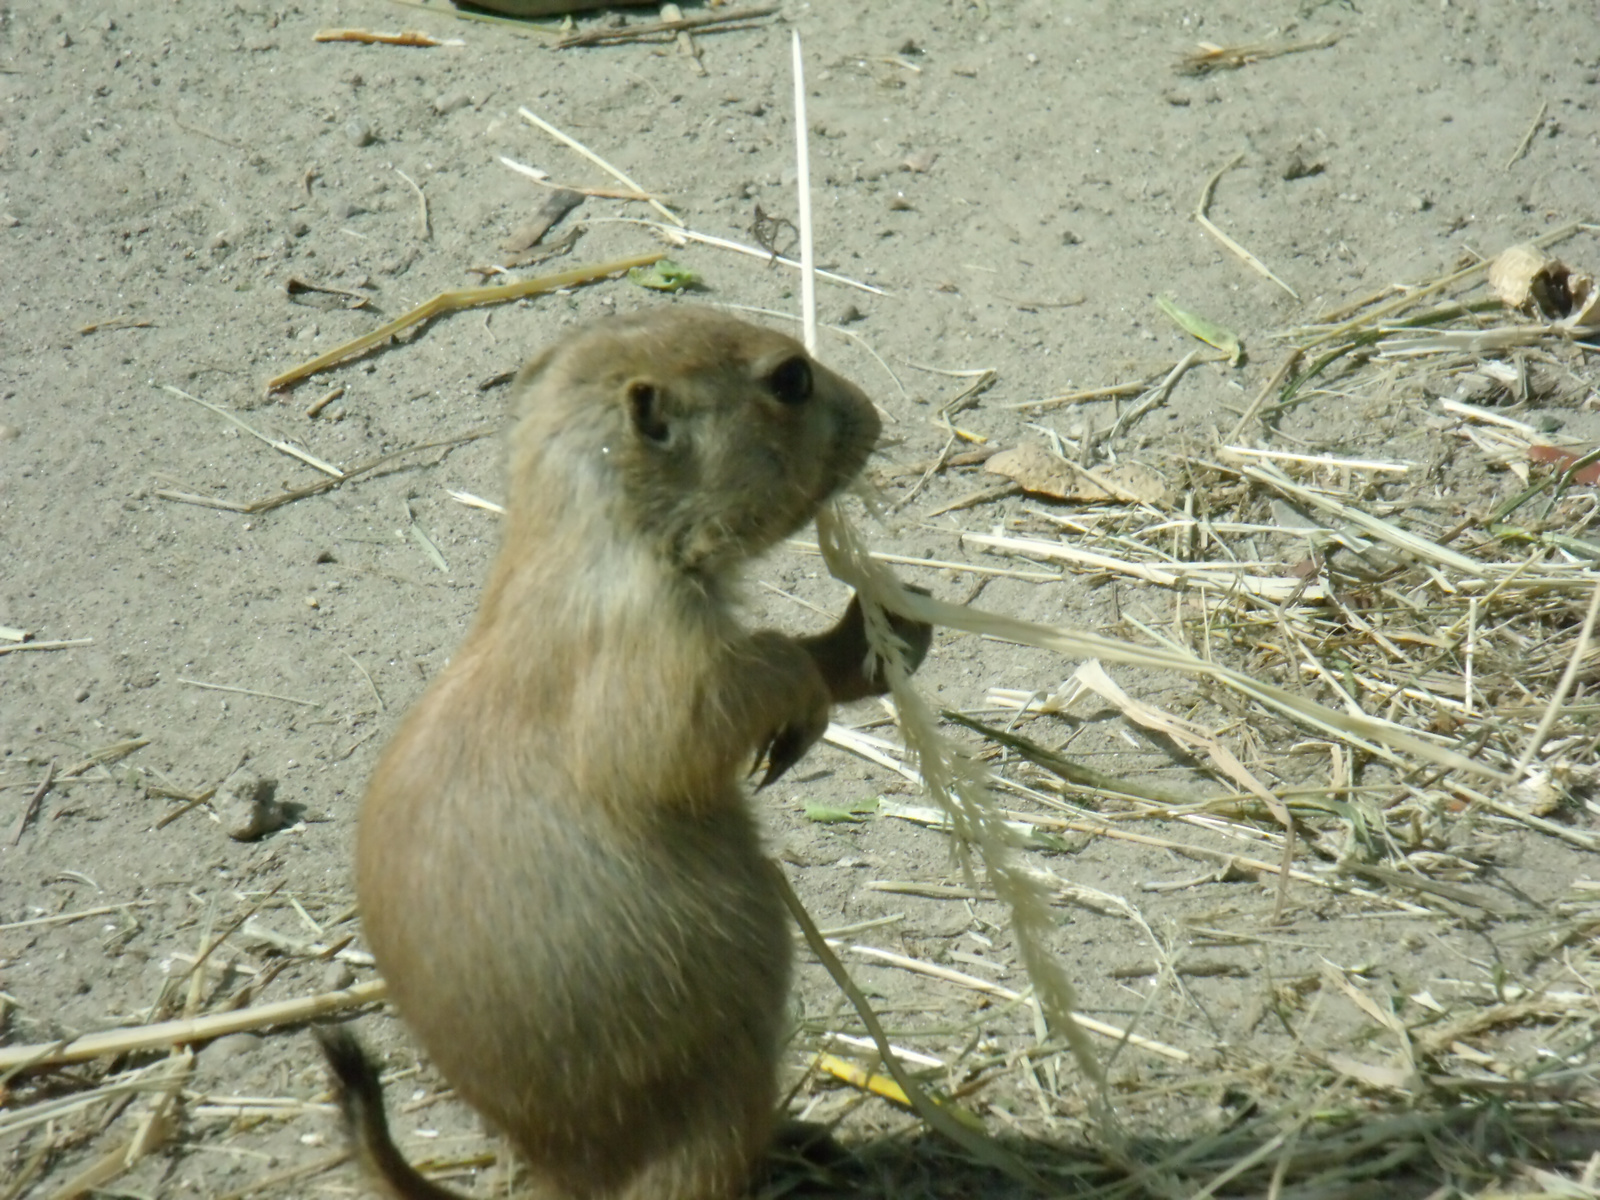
[
  {"x": 247, "y": 805},
  {"x": 81, "y": 695},
  {"x": 359, "y": 131},
  {"x": 9, "y": 433},
  {"x": 231, "y": 1046},
  {"x": 448, "y": 102},
  {"x": 337, "y": 976}
]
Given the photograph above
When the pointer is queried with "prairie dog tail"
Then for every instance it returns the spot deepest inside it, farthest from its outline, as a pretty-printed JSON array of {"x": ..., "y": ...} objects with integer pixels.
[{"x": 360, "y": 1099}]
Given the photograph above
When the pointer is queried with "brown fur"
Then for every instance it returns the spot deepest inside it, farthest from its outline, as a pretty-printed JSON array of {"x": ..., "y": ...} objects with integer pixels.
[{"x": 557, "y": 869}]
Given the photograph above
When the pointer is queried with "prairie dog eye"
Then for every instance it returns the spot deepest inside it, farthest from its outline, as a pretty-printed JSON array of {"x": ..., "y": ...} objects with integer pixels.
[{"x": 790, "y": 381}]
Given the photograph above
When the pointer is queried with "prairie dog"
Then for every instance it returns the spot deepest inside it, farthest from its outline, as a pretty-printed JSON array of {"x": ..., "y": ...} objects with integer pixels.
[{"x": 557, "y": 870}]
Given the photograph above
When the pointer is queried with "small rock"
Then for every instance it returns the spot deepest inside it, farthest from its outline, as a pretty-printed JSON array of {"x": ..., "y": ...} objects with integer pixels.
[
  {"x": 1298, "y": 168},
  {"x": 398, "y": 264},
  {"x": 9, "y": 433},
  {"x": 64, "y": 40},
  {"x": 447, "y": 102},
  {"x": 359, "y": 131},
  {"x": 231, "y": 1046},
  {"x": 247, "y": 806},
  {"x": 81, "y": 695},
  {"x": 298, "y": 227},
  {"x": 337, "y": 976}
]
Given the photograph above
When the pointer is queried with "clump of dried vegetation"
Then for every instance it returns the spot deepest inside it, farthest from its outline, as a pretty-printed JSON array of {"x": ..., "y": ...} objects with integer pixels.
[{"x": 1434, "y": 647}]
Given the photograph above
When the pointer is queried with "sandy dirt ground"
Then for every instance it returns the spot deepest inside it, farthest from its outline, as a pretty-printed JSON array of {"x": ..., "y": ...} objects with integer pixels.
[{"x": 1016, "y": 183}]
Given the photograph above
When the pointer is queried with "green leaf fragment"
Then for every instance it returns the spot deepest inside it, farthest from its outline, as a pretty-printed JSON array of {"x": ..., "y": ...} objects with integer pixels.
[
  {"x": 828, "y": 814},
  {"x": 1209, "y": 332},
  {"x": 664, "y": 276}
]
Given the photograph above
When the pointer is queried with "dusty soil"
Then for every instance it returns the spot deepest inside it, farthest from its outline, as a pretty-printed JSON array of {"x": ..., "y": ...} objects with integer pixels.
[{"x": 1018, "y": 178}]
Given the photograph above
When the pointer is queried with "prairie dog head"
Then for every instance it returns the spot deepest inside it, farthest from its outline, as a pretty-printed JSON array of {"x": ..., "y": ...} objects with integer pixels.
[{"x": 709, "y": 437}]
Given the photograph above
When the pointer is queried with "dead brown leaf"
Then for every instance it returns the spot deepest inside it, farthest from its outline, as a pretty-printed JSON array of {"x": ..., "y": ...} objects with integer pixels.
[{"x": 1040, "y": 473}]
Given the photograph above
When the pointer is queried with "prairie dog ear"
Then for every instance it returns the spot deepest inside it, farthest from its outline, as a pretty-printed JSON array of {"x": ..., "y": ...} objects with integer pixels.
[
  {"x": 647, "y": 411},
  {"x": 526, "y": 384},
  {"x": 532, "y": 369}
]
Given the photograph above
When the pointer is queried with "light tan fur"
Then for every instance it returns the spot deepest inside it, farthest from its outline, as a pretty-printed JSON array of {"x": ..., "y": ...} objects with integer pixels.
[{"x": 556, "y": 866}]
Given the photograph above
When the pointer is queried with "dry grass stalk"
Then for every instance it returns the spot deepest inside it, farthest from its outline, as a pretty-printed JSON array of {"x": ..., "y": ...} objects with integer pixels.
[
  {"x": 1337, "y": 325},
  {"x": 65, "y": 644},
  {"x": 957, "y": 784},
  {"x": 454, "y": 301},
  {"x": 276, "y": 443},
  {"x": 953, "y": 780},
  {"x": 703, "y": 23},
  {"x": 1210, "y": 226},
  {"x": 267, "y": 503},
  {"x": 543, "y": 180},
  {"x": 680, "y": 236},
  {"x": 166, "y": 1034},
  {"x": 574, "y": 144},
  {"x": 1211, "y": 57},
  {"x": 406, "y": 37},
  {"x": 32, "y": 805},
  {"x": 240, "y": 691},
  {"x": 975, "y": 1142}
]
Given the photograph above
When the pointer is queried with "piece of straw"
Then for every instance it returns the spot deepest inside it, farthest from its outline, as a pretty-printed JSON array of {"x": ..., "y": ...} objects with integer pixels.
[
  {"x": 802, "y": 153},
  {"x": 574, "y": 143}
]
